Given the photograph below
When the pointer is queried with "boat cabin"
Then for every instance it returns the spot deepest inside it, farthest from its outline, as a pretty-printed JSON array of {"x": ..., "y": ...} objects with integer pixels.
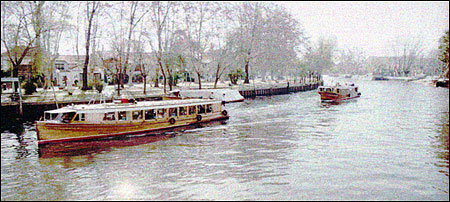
[{"x": 131, "y": 112}]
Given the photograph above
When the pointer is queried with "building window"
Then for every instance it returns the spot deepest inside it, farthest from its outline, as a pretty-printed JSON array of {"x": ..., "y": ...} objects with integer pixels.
[{"x": 59, "y": 66}]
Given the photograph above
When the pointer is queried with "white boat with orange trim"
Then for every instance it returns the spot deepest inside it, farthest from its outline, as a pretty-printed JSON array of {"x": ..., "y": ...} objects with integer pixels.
[
  {"x": 89, "y": 121},
  {"x": 225, "y": 95},
  {"x": 338, "y": 93}
]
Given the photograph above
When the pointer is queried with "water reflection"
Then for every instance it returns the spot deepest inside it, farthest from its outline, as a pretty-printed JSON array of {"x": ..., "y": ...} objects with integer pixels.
[
  {"x": 442, "y": 143},
  {"x": 89, "y": 147}
]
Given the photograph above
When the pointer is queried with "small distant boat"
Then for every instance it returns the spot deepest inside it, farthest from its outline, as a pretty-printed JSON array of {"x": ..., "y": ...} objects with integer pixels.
[
  {"x": 79, "y": 122},
  {"x": 338, "y": 93}
]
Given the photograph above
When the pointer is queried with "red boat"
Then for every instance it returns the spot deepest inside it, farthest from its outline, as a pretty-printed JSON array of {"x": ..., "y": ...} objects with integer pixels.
[{"x": 338, "y": 93}]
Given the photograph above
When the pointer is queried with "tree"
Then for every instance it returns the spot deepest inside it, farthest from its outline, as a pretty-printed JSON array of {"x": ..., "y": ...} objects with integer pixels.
[
  {"x": 55, "y": 15},
  {"x": 266, "y": 38},
  {"x": 199, "y": 31},
  {"x": 92, "y": 9},
  {"x": 222, "y": 52},
  {"x": 18, "y": 33},
  {"x": 444, "y": 54},
  {"x": 320, "y": 57},
  {"x": 351, "y": 61},
  {"x": 160, "y": 13},
  {"x": 250, "y": 20},
  {"x": 134, "y": 19},
  {"x": 407, "y": 54}
]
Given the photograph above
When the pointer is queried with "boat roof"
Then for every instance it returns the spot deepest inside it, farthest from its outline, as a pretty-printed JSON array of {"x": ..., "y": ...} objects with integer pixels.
[{"x": 112, "y": 107}]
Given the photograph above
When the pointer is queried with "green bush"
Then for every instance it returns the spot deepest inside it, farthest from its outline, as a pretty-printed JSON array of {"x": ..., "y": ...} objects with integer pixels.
[
  {"x": 29, "y": 86},
  {"x": 98, "y": 85},
  {"x": 236, "y": 75}
]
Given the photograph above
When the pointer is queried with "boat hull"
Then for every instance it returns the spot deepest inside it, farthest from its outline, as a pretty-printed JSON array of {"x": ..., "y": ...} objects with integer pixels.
[
  {"x": 62, "y": 132},
  {"x": 334, "y": 97}
]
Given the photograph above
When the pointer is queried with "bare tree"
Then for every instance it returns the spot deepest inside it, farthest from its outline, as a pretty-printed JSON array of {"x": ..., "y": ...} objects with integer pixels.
[
  {"x": 407, "y": 53},
  {"x": 351, "y": 61},
  {"x": 56, "y": 14},
  {"x": 18, "y": 35},
  {"x": 91, "y": 11},
  {"x": 250, "y": 15},
  {"x": 199, "y": 32},
  {"x": 160, "y": 13},
  {"x": 320, "y": 57},
  {"x": 134, "y": 19}
]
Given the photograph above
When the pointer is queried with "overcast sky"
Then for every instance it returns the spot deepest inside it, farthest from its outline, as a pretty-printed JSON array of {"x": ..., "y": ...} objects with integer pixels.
[
  {"x": 373, "y": 26},
  {"x": 370, "y": 26}
]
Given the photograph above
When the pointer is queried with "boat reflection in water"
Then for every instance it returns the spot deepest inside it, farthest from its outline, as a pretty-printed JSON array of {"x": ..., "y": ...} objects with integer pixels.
[{"x": 93, "y": 146}]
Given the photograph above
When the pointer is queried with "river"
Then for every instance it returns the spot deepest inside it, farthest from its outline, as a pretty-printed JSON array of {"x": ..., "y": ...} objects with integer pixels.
[{"x": 389, "y": 144}]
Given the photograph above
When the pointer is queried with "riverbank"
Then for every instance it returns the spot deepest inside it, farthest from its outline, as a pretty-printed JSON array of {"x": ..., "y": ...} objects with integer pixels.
[
  {"x": 136, "y": 91},
  {"x": 34, "y": 105}
]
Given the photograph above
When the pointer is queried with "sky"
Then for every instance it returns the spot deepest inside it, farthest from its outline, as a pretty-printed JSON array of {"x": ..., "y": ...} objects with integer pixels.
[{"x": 373, "y": 26}]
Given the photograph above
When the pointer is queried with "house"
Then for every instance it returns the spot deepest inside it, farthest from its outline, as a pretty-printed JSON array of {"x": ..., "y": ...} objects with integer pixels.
[
  {"x": 137, "y": 62},
  {"x": 68, "y": 70},
  {"x": 26, "y": 65}
]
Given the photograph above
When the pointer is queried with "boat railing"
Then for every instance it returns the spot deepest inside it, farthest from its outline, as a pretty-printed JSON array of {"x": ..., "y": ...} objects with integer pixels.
[{"x": 101, "y": 98}]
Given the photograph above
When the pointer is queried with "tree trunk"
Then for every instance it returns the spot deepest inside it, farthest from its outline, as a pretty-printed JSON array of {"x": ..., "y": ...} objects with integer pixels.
[
  {"x": 246, "y": 72},
  {"x": 170, "y": 77},
  {"x": 163, "y": 73},
  {"x": 199, "y": 81},
  {"x": 86, "y": 60},
  {"x": 217, "y": 75},
  {"x": 157, "y": 78},
  {"x": 145, "y": 83}
]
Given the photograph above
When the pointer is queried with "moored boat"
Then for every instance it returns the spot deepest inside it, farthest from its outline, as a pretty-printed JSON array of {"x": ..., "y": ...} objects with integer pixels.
[
  {"x": 225, "y": 95},
  {"x": 338, "y": 93},
  {"x": 78, "y": 122}
]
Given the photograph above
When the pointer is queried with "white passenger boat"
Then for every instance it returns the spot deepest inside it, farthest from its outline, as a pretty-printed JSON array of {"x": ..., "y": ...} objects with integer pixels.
[
  {"x": 225, "y": 95},
  {"x": 78, "y": 122}
]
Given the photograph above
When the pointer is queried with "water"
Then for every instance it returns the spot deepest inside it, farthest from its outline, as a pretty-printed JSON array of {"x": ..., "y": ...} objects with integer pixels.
[{"x": 389, "y": 144}]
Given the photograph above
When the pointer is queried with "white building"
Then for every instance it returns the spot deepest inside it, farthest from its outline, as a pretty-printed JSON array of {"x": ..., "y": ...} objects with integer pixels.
[{"x": 68, "y": 70}]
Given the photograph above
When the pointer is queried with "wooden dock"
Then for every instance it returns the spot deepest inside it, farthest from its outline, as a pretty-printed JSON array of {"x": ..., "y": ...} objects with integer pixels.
[{"x": 252, "y": 93}]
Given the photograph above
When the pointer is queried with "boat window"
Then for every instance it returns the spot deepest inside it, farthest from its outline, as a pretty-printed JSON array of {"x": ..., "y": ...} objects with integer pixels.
[
  {"x": 337, "y": 90},
  {"x": 161, "y": 113},
  {"x": 67, "y": 117},
  {"x": 192, "y": 110},
  {"x": 150, "y": 114},
  {"x": 201, "y": 109},
  {"x": 137, "y": 115},
  {"x": 320, "y": 89},
  {"x": 183, "y": 111},
  {"x": 46, "y": 116},
  {"x": 356, "y": 89},
  {"x": 209, "y": 108},
  {"x": 172, "y": 112},
  {"x": 53, "y": 116},
  {"x": 109, "y": 116},
  {"x": 82, "y": 118},
  {"x": 122, "y": 115}
]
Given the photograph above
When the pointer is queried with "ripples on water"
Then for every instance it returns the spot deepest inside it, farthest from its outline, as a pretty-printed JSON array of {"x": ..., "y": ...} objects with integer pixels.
[{"x": 390, "y": 144}]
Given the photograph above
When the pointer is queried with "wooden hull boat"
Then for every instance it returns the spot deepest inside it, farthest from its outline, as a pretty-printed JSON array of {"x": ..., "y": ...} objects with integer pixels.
[
  {"x": 338, "y": 93},
  {"x": 99, "y": 120}
]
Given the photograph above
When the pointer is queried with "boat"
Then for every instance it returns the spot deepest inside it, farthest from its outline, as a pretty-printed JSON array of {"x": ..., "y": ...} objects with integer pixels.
[
  {"x": 338, "y": 93},
  {"x": 225, "y": 95},
  {"x": 91, "y": 121}
]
